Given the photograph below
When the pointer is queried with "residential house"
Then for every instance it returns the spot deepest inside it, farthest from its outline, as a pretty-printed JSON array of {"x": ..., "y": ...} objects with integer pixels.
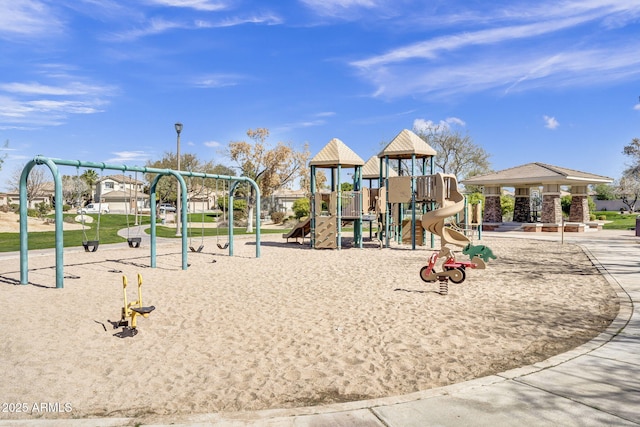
[{"x": 122, "y": 193}]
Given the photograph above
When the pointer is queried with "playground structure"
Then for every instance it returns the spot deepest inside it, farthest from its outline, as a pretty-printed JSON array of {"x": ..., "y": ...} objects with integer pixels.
[
  {"x": 397, "y": 205},
  {"x": 329, "y": 211},
  {"x": 131, "y": 310},
  {"x": 53, "y": 164}
]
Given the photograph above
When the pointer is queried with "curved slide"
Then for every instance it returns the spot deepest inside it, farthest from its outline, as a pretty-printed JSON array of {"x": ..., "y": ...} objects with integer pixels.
[{"x": 434, "y": 221}]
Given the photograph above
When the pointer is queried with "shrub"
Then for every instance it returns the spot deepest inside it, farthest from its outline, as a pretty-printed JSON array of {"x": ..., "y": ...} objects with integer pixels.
[
  {"x": 33, "y": 212},
  {"x": 602, "y": 217},
  {"x": 5, "y": 208},
  {"x": 301, "y": 207},
  {"x": 277, "y": 217}
]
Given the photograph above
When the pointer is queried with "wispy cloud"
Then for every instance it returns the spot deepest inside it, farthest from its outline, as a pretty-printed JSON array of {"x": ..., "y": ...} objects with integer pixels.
[
  {"x": 232, "y": 21},
  {"x": 202, "y": 5},
  {"x": 210, "y": 81},
  {"x": 50, "y": 101},
  {"x": 346, "y": 9},
  {"x": 550, "y": 122},
  {"x": 129, "y": 157},
  {"x": 513, "y": 54},
  {"x": 212, "y": 144},
  {"x": 29, "y": 18}
]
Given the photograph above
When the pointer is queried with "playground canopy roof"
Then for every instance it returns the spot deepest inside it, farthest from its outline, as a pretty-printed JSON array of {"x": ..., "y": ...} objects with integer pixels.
[
  {"x": 535, "y": 174},
  {"x": 334, "y": 154},
  {"x": 371, "y": 169},
  {"x": 405, "y": 145}
]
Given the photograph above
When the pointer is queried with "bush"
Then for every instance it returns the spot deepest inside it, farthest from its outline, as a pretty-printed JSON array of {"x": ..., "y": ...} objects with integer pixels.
[
  {"x": 5, "y": 208},
  {"x": 301, "y": 207},
  {"x": 277, "y": 217},
  {"x": 602, "y": 217},
  {"x": 33, "y": 212}
]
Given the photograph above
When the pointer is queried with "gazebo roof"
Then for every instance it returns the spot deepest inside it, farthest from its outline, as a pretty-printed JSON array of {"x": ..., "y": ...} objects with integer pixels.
[
  {"x": 537, "y": 174},
  {"x": 405, "y": 145},
  {"x": 336, "y": 153},
  {"x": 371, "y": 169}
]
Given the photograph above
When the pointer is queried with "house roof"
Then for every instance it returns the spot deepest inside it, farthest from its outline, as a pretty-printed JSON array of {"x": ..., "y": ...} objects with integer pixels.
[
  {"x": 336, "y": 153},
  {"x": 371, "y": 169},
  {"x": 405, "y": 145},
  {"x": 537, "y": 174}
]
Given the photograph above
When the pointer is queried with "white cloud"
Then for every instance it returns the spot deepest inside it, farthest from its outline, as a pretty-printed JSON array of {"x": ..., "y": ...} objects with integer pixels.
[
  {"x": 268, "y": 19},
  {"x": 210, "y": 81},
  {"x": 212, "y": 144},
  {"x": 425, "y": 126},
  {"x": 51, "y": 99},
  {"x": 637, "y": 107},
  {"x": 550, "y": 122},
  {"x": 129, "y": 157},
  {"x": 28, "y": 18},
  {"x": 202, "y": 5},
  {"x": 337, "y": 8},
  {"x": 474, "y": 60}
]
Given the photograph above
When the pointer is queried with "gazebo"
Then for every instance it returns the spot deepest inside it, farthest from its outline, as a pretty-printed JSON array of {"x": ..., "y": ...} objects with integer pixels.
[{"x": 549, "y": 179}]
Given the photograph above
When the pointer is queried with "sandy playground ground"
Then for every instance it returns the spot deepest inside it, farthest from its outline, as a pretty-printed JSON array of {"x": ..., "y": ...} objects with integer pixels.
[{"x": 296, "y": 327}]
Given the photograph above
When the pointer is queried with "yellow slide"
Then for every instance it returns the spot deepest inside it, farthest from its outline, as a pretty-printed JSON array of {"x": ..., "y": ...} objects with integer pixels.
[{"x": 434, "y": 221}]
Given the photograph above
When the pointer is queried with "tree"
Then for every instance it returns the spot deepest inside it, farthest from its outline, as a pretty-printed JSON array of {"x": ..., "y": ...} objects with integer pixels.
[
  {"x": 457, "y": 153},
  {"x": 628, "y": 189},
  {"x": 271, "y": 168},
  {"x": 166, "y": 188},
  {"x": 605, "y": 192},
  {"x": 633, "y": 150},
  {"x": 36, "y": 182},
  {"x": 91, "y": 178},
  {"x": 74, "y": 189}
]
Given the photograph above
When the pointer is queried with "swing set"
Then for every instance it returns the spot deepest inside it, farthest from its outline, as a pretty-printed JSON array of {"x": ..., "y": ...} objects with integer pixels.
[{"x": 92, "y": 246}]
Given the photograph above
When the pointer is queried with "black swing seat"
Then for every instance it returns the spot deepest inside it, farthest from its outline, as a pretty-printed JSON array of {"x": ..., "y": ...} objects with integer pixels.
[
  {"x": 134, "y": 242},
  {"x": 200, "y": 248},
  {"x": 90, "y": 245},
  {"x": 143, "y": 310},
  {"x": 225, "y": 246}
]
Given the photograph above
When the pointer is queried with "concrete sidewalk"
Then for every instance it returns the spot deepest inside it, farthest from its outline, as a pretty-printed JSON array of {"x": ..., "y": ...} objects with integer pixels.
[{"x": 597, "y": 384}]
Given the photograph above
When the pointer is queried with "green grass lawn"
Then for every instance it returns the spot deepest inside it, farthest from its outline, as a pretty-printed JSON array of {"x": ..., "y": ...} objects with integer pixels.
[
  {"x": 620, "y": 221},
  {"x": 108, "y": 233},
  {"x": 111, "y": 223}
]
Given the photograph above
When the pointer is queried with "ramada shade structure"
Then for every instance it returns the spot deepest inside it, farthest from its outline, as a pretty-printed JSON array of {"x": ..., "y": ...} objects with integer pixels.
[{"x": 550, "y": 178}]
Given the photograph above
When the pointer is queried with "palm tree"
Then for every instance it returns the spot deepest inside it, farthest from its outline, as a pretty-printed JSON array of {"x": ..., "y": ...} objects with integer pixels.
[{"x": 91, "y": 177}]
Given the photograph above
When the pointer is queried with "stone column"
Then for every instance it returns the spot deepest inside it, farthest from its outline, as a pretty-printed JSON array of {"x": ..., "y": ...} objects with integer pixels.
[
  {"x": 551, "y": 208},
  {"x": 579, "y": 210},
  {"x": 522, "y": 208},
  {"x": 492, "y": 209}
]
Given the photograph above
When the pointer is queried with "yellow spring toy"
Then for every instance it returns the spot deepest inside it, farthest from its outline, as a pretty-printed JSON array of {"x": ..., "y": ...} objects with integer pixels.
[{"x": 131, "y": 310}]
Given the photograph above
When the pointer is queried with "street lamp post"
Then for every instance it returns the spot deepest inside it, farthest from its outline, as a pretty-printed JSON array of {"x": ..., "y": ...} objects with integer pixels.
[{"x": 178, "y": 127}]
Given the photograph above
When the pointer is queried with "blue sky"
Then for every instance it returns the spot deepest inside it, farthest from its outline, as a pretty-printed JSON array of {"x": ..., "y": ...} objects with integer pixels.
[{"x": 105, "y": 80}]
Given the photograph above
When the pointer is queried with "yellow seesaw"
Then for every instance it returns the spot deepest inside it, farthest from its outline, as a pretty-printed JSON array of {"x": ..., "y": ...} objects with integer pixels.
[{"x": 131, "y": 310}]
